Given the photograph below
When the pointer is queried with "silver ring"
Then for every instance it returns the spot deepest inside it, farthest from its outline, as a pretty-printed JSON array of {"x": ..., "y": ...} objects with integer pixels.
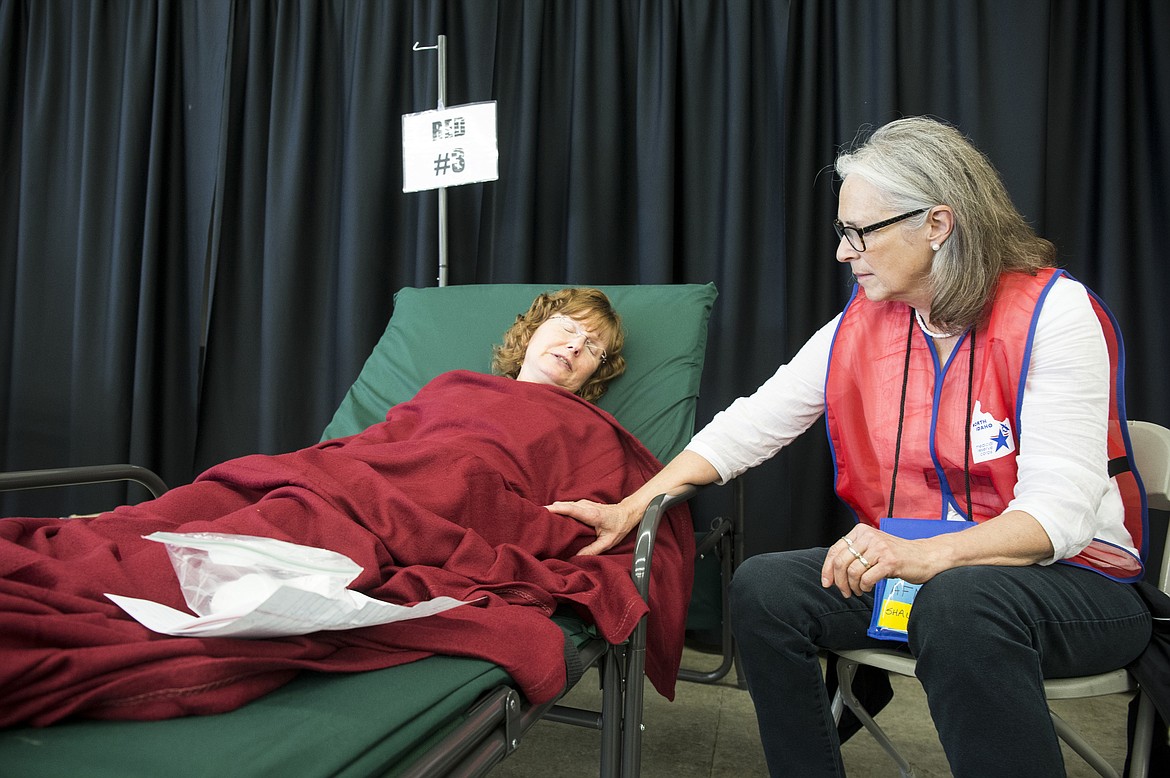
[
  {"x": 857, "y": 555},
  {"x": 848, "y": 542}
]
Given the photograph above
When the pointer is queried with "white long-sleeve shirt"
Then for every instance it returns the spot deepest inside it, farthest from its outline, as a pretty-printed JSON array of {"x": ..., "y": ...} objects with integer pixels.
[{"x": 1062, "y": 478}]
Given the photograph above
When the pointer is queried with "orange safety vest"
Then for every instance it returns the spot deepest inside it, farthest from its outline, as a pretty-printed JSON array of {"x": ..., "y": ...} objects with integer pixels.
[{"x": 867, "y": 369}]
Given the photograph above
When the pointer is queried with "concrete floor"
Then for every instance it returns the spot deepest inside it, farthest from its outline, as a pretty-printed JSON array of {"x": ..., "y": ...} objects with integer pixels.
[{"x": 710, "y": 730}]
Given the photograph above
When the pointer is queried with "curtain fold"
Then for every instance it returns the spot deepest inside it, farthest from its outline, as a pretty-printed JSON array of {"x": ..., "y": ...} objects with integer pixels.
[
  {"x": 202, "y": 222},
  {"x": 1105, "y": 177},
  {"x": 99, "y": 359}
]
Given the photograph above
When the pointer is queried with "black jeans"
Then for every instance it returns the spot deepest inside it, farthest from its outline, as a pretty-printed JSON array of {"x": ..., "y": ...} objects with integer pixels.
[{"x": 984, "y": 637}]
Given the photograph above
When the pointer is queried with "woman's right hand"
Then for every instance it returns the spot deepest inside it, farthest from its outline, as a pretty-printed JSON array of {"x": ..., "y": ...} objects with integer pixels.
[
  {"x": 611, "y": 522},
  {"x": 614, "y": 522}
]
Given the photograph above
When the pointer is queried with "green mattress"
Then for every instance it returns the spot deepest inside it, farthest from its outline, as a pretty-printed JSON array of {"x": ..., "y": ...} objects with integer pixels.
[
  {"x": 319, "y": 724},
  {"x": 355, "y": 724}
]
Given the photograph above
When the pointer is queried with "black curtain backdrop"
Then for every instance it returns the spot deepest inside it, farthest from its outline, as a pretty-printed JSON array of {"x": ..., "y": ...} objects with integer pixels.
[{"x": 202, "y": 221}]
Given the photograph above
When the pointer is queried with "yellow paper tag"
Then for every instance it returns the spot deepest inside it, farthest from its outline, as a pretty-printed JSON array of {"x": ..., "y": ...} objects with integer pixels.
[{"x": 895, "y": 615}]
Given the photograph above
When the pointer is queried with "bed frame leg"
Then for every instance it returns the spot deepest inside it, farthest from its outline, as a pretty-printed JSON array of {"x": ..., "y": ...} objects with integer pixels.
[{"x": 611, "y": 712}]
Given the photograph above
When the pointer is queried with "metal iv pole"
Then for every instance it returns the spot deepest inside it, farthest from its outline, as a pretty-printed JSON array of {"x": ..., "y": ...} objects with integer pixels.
[{"x": 441, "y": 48}]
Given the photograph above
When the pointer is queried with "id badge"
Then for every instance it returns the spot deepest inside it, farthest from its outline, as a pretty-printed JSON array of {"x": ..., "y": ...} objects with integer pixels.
[
  {"x": 892, "y": 608},
  {"x": 893, "y": 598}
]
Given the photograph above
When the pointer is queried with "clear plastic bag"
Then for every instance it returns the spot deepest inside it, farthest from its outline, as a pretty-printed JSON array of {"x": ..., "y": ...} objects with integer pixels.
[{"x": 226, "y": 573}]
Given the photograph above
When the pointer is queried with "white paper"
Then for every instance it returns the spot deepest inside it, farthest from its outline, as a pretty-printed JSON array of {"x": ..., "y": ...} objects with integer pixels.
[
  {"x": 287, "y": 611},
  {"x": 253, "y": 587},
  {"x": 449, "y": 147}
]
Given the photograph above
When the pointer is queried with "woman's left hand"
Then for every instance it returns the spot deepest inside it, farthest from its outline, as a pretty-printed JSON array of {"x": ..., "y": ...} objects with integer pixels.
[
  {"x": 864, "y": 556},
  {"x": 856, "y": 562}
]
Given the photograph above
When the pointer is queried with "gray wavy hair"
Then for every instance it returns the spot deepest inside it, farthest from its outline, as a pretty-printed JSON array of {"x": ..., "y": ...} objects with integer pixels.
[{"x": 920, "y": 162}]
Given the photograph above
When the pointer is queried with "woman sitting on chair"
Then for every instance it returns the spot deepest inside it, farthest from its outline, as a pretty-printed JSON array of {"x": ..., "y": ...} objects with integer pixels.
[
  {"x": 444, "y": 498},
  {"x": 967, "y": 379}
]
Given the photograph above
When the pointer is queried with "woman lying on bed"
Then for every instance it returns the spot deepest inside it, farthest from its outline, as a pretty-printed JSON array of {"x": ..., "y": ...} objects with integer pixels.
[{"x": 444, "y": 498}]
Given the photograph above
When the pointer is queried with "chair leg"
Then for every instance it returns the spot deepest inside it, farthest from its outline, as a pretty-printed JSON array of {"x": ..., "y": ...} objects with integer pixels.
[
  {"x": 1077, "y": 743},
  {"x": 845, "y": 672},
  {"x": 1143, "y": 738},
  {"x": 837, "y": 707}
]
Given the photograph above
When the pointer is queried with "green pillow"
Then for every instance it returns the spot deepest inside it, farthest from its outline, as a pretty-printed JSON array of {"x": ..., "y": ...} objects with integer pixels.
[{"x": 437, "y": 329}]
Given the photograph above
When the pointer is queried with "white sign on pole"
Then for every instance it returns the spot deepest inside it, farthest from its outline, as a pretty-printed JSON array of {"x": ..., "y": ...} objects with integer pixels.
[{"x": 449, "y": 147}]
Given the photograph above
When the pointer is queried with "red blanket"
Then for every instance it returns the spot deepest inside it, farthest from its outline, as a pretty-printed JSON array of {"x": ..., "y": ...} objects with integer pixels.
[{"x": 444, "y": 498}]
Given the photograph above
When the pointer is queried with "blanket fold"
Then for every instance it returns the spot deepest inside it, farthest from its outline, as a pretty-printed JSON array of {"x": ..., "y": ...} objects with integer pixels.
[{"x": 443, "y": 498}]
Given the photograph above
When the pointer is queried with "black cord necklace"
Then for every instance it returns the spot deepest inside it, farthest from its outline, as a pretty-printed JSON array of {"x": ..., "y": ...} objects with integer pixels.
[{"x": 902, "y": 418}]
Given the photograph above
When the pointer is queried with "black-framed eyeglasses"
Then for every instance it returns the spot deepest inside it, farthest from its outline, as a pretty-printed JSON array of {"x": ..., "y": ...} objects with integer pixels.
[{"x": 856, "y": 235}]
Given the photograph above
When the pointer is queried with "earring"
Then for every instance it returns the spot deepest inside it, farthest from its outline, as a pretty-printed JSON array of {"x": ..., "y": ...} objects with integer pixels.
[{"x": 935, "y": 246}]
